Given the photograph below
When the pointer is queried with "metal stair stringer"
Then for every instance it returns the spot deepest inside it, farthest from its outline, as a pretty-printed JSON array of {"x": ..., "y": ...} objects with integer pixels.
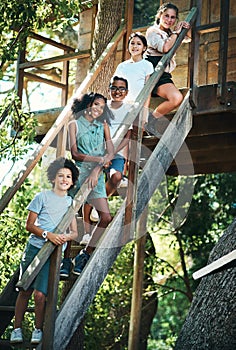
[{"x": 87, "y": 285}]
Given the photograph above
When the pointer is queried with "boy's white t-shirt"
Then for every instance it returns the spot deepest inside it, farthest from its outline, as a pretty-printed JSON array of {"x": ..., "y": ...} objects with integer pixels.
[
  {"x": 119, "y": 114},
  {"x": 135, "y": 73}
]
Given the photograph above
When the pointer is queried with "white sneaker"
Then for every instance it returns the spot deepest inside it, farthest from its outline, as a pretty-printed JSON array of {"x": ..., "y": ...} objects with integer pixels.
[
  {"x": 36, "y": 336},
  {"x": 124, "y": 182},
  {"x": 85, "y": 239},
  {"x": 16, "y": 336},
  {"x": 94, "y": 215}
]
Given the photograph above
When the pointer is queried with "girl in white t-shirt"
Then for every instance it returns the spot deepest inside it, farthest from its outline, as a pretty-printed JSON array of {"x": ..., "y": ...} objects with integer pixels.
[{"x": 135, "y": 70}]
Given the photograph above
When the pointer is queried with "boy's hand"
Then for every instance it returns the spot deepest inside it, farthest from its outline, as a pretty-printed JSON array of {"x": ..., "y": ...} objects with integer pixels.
[{"x": 56, "y": 239}]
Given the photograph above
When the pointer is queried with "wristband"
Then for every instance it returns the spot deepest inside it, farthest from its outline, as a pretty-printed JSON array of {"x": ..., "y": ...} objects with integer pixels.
[
  {"x": 102, "y": 162},
  {"x": 174, "y": 32}
]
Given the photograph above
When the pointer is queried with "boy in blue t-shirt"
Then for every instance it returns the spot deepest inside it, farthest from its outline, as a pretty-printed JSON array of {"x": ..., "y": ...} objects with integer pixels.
[{"x": 45, "y": 213}]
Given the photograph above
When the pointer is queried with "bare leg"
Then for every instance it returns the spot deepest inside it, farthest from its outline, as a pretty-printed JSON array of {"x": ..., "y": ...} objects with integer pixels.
[
  {"x": 40, "y": 301},
  {"x": 173, "y": 99},
  {"x": 113, "y": 182},
  {"x": 21, "y": 306},
  {"x": 88, "y": 227},
  {"x": 102, "y": 208},
  {"x": 67, "y": 250}
]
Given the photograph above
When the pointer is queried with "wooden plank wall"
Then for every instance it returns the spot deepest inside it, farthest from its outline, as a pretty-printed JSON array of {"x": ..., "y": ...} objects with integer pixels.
[{"x": 209, "y": 44}]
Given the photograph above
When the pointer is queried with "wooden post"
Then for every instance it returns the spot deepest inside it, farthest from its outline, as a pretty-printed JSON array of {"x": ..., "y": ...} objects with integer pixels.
[
  {"x": 20, "y": 72},
  {"x": 54, "y": 273},
  {"x": 137, "y": 290},
  {"x": 131, "y": 195},
  {"x": 223, "y": 50},
  {"x": 129, "y": 12},
  {"x": 64, "y": 80}
]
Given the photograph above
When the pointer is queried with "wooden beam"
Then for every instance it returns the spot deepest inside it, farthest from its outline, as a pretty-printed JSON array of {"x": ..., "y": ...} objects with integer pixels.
[
  {"x": 40, "y": 79},
  {"x": 134, "y": 160},
  {"x": 213, "y": 124},
  {"x": 203, "y": 168},
  {"x": 19, "y": 73},
  {"x": 137, "y": 288},
  {"x": 223, "y": 50},
  {"x": 54, "y": 272},
  {"x": 129, "y": 10},
  {"x": 215, "y": 265},
  {"x": 208, "y": 28},
  {"x": 65, "y": 80},
  {"x": 55, "y": 59},
  {"x": 51, "y": 42}
]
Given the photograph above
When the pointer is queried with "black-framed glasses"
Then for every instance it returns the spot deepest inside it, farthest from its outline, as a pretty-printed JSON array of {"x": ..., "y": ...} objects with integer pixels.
[{"x": 118, "y": 88}]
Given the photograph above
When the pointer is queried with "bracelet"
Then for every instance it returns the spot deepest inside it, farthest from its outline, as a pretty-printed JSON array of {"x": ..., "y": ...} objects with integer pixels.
[
  {"x": 102, "y": 162},
  {"x": 174, "y": 32}
]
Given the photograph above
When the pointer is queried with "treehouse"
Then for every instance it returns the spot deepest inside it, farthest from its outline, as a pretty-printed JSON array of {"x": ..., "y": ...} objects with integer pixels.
[{"x": 199, "y": 137}]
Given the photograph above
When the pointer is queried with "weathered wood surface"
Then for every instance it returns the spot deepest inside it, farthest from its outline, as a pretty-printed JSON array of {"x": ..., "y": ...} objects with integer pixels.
[
  {"x": 87, "y": 285},
  {"x": 211, "y": 321}
]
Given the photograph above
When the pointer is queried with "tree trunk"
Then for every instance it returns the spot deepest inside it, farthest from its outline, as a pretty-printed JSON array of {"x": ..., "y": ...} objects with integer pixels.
[
  {"x": 107, "y": 22},
  {"x": 211, "y": 322}
]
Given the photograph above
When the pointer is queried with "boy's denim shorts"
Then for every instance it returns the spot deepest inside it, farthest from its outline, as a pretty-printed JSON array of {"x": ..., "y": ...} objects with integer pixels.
[
  {"x": 41, "y": 281},
  {"x": 117, "y": 163}
]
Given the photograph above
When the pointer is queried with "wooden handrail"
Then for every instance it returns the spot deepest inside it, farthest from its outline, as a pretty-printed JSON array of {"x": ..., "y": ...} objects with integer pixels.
[{"x": 51, "y": 42}]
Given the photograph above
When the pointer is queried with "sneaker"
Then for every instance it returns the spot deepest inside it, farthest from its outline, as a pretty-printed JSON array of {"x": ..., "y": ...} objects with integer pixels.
[
  {"x": 65, "y": 267},
  {"x": 151, "y": 126},
  {"x": 79, "y": 262},
  {"x": 36, "y": 336},
  {"x": 16, "y": 336},
  {"x": 85, "y": 239},
  {"x": 94, "y": 215},
  {"x": 124, "y": 182}
]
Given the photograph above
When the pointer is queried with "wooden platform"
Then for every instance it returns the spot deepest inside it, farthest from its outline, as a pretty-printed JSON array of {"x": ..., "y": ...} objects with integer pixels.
[{"x": 211, "y": 143}]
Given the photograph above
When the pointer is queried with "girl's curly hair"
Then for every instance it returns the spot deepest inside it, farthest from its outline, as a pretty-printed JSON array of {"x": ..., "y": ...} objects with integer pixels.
[{"x": 79, "y": 107}]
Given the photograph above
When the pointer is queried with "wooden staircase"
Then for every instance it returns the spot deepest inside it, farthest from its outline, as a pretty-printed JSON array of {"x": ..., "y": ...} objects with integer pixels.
[{"x": 189, "y": 124}]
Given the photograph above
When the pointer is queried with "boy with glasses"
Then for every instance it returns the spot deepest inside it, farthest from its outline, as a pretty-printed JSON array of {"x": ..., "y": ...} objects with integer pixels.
[{"x": 118, "y": 91}]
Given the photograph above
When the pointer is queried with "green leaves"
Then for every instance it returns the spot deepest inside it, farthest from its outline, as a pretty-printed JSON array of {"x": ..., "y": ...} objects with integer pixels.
[{"x": 17, "y": 129}]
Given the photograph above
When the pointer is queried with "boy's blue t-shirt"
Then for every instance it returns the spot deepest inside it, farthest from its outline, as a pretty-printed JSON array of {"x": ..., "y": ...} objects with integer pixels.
[{"x": 50, "y": 209}]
